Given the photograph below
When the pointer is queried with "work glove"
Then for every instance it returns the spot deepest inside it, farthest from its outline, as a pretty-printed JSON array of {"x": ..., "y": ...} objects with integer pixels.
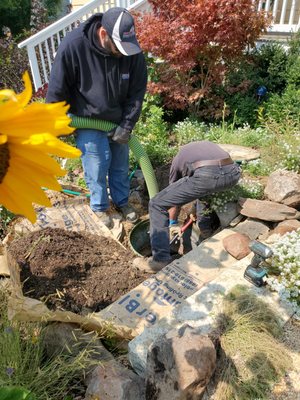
[
  {"x": 174, "y": 229},
  {"x": 120, "y": 135}
]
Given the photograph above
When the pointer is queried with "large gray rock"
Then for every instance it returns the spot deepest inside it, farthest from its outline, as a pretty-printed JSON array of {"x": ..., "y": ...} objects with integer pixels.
[
  {"x": 284, "y": 187},
  {"x": 252, "y": 228},
  {"x": 112, "y": 381},
  {"x": 179, "y": 365},
  {"x": 267, "y": 210},
  {"x": 240, "y": 153},
  {"x": 228, "y": 215},
  {"x": 66, "y": 338}
]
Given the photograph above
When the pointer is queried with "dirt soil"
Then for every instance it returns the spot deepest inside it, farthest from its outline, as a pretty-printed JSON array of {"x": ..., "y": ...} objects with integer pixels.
[{"x": 73, "y": 271}]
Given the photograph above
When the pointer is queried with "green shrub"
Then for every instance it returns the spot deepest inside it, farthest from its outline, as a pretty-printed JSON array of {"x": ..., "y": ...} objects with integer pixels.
[
  {"x": 271, "y": 62},
  {"x": 243, "y": 108},
  {"x": 151, "y": 130},
  {"x": 293, "y": 65},
  {"x": 280, "y": 107}
]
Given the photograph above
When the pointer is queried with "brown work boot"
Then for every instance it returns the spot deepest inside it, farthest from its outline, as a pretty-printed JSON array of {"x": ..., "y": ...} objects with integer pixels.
[
  {"x": 104, "y": 218},
  {"x": 149, "y": 265},
  {"x": 128, "y": 213}
]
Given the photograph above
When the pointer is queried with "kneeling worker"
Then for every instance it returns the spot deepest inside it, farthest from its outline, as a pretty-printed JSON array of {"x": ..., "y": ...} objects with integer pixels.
[{"x": 198, "y": 170}]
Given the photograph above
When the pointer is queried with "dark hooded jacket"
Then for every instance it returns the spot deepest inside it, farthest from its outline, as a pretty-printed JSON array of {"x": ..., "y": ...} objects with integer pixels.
[{"x": 93, "y": 82}]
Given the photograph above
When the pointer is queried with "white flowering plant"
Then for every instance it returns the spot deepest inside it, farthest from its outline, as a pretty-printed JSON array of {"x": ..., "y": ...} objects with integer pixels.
[
  {"x": 256, "y": 167},
  {"x": 284, "y": 270},
  {"x": 247, "y": 188},
  {"x": 290, "y": 155},
  {"x": 190, "y": 130}
]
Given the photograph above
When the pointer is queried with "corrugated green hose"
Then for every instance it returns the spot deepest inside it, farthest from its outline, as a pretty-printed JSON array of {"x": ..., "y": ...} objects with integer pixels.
[{"x": 134, "y": 145}]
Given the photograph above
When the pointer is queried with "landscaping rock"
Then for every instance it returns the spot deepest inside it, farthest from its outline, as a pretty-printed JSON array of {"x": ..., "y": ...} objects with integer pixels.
[
  {"x": 286, "y": 226},
  {"x": 237, "y": 220},
  {"x": 252, "y": 228},
  {"x": 179, "y": 365},
  {"x": 237, "y": 245},
  {"x": 284, "y": 187},
  {"x": 61, "y": 337},
  {"x": 112, "y": 381},
  {"x": 267, "y": 210},
  {"x": 230, "y": 213},
  {"x": 240, "y": 153}
]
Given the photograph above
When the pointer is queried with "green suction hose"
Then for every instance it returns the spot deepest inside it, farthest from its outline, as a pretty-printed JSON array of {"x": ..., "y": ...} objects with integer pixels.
[{"x": 134, "y": 145}]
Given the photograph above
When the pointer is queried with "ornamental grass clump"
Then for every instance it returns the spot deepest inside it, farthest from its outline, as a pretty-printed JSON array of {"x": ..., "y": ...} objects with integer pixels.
[
  {"x": 284, "y": 271},
  {"x": 251, "y": 356},
  {"x": 25, "y": 366}
]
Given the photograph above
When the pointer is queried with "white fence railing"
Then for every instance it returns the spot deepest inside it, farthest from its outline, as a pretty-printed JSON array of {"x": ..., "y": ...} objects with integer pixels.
[
  {"x": 42, "y": 46},
  {"x": 285, "y": 13}
]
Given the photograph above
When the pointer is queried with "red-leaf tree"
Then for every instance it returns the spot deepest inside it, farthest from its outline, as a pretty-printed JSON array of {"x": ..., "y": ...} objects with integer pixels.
[{"x": 196, "y": 39}]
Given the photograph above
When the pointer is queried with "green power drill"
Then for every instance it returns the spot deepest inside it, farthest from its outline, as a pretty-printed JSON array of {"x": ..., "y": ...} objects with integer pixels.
[{"x": 256, "y": 272}]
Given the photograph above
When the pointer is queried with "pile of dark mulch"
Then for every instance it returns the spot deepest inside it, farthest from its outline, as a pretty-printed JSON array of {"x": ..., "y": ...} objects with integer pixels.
[{"x": 74, "y": 271}]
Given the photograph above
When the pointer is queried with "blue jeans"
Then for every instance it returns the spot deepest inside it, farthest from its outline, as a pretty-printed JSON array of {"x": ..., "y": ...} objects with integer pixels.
[
  {"x": 102, "y": 158},
  {"x": 205, "y": 181}
]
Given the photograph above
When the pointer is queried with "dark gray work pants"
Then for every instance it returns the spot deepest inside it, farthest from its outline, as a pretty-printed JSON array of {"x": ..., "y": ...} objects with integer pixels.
[{"x": 205, "y": 181}]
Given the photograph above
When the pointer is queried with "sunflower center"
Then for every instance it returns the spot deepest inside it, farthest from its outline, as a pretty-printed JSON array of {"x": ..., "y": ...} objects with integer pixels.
[{"x": 4, "y": 160}]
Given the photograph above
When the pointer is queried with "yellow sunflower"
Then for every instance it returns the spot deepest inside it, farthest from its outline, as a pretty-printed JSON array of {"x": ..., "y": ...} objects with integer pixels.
[{"x": 28, "y": 138}]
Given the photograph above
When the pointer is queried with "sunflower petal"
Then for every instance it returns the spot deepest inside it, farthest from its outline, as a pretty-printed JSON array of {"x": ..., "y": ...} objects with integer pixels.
[
  {"x": 3, "y": 139},
  {"x": 52, "y": 145},
  {"x": 24, "y": 97},
  {"x": 16, "y": 204},
  {"x": 37, "y": 160}
]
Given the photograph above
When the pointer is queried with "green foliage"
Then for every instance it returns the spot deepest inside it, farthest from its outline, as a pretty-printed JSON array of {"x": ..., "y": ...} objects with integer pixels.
[
  {"x": 5, "y": 217},
  {"x": 256, "y": 167},
  {"x": 293, "y": 65},
  {"x": 14, "y": 393},
  {"x": 244, "y": 107},
  {"x": 53, "y": 7},
  {"x": 284, "y": 106},
  {"x": 271, "y": 64},
  {"x": 15, "y": 14},
  {"x": 151, "y": 130}
]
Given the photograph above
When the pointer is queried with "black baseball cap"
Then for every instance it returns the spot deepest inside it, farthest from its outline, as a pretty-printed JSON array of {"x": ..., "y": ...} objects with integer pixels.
[{"x": 119, "y": 24}]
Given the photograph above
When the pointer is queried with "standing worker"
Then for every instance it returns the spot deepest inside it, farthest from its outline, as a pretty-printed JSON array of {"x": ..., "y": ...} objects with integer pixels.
[
  {"x": 198, "y": 170},
  {"x": 100, "y": 70}
]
